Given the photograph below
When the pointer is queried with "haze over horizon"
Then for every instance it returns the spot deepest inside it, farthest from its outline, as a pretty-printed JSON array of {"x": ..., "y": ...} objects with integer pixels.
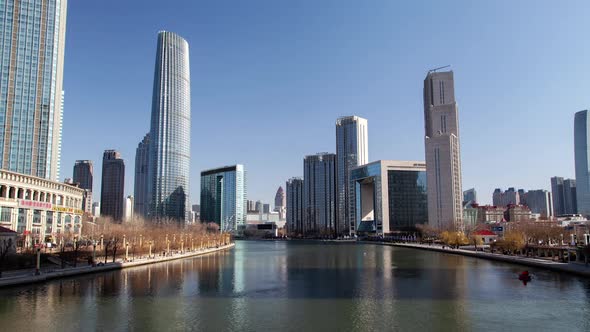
[{"x": 269, "y": 78}]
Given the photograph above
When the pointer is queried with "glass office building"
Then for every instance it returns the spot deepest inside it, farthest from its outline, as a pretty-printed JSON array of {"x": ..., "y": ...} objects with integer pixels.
[
  {"x": 32, "y": 38},
  {"x": 389, "y": 196},
  {"x": 352, "y": 150},
  {"x": 223, "y": 197},
  {"x": 319, "y": 194},
  {"x": 170, "y": 131},
  {"x": 582, "y": 162}
]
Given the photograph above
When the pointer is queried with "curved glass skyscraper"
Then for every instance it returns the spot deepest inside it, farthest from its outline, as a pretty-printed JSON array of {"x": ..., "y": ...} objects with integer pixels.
[
  {"x": 582, "y": 160},
  {"x": 170, "y": 131}
]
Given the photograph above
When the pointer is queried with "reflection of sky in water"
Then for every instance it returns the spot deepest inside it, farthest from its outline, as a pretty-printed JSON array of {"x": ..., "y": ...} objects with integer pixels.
[{"x": 301, "y": 287}]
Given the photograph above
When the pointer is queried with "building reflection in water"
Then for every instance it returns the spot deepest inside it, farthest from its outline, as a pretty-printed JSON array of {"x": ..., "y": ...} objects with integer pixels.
[{"x": 297, "y": 287}]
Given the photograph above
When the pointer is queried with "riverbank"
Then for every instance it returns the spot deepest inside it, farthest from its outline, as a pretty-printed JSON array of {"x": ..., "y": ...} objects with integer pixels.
[
  {"x": 573, "y": 268},
  {"x": 28, "y": 278}
]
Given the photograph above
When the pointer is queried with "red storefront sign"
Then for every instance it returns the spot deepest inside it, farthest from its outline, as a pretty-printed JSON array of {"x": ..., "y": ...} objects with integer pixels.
[{"x": 34, "y": 204}]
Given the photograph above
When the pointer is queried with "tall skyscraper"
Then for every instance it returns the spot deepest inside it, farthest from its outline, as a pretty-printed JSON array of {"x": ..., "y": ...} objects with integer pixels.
[
  {"x": 582, "y": 161},
  {"x": 557, "y": 190},
  {"x": 112, "y": 191},
  {"x": 564, "y": 196},
  {"x": 170, "y": 131},
  {"x": 83, "y": 175},
  {"x": 319, "y": 194},
  {"x": 141, "y": 184},
  {"x": 32, "y": 39},
  {"x": 352, "y": 150},
  {"x": 280, "y": 200},
  {"x": 223, "y": 197},
  {"x": 570, "y": 196},
  {"x": 295, "y": 206},
  {"x": 443, "y": 160}
]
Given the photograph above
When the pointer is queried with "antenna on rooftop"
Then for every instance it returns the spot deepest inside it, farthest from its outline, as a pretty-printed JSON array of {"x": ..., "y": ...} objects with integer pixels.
[{"x": 439, "y": 68}]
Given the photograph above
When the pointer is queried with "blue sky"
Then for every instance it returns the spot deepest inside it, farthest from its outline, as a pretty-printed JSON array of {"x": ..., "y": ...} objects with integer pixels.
[{"x": 270, "y": 77}]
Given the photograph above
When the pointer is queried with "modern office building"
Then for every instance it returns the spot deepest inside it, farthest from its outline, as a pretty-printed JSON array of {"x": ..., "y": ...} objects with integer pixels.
[
  {"x": 31, "y": 86},
  {"x": 258, "y": 206},
  {"x": 470, "y": 195},
  {"x": 112, "y": 191},
  {"x": 223, "y": 197},
  {"x": 319, "y": 194},
  {"x": 170, "y": 131},
  {"x": 352, "y": 150},
  {"x": 294, "y": 206},
  {"x": 83, "y": 176},
  {"x": 563, "y": 192},
  {"x": 539, "y": 201},
  {"x": 389, "y": 196},
  {"x": 265, "y": 208},
  {"x": 441, "y": 124},
  {"x": 141, "y": 180},
  {"x": 570, "y": 196},
  {"x": 505, "y": 198}
]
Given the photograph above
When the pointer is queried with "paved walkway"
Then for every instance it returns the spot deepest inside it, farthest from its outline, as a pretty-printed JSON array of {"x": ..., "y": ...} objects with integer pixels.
[
  {"x": 20, "y": 277},
  {"x": 575, "y": 268}
]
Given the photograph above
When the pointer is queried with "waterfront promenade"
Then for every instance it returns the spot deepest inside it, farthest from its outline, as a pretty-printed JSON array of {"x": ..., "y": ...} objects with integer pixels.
[
  {"x": 13, "y": 278},
  {"x": 574, "y": 268}
]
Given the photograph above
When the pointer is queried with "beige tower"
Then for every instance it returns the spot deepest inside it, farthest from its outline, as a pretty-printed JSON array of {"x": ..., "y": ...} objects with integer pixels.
[{"x": 443, "y": 159}]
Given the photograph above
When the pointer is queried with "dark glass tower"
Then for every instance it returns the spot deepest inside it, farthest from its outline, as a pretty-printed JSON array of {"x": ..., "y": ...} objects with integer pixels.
[{"x": 170, "y": 131}]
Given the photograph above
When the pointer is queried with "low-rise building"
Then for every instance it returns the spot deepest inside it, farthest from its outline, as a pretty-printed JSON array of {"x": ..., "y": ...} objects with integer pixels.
[
  {"x": 39, "y": 210},
  {"x": 516, "y": 213},
  {"x": 7, "y": 240},
  {"x": 489, "y": 213}
]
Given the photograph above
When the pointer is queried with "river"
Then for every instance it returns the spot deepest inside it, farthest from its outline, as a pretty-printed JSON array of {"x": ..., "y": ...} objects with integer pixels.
[{"x": 305, "y": 286}]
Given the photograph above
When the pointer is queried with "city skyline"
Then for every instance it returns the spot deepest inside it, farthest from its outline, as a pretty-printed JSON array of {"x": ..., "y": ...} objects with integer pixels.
[{"x": 393, "y": 88}]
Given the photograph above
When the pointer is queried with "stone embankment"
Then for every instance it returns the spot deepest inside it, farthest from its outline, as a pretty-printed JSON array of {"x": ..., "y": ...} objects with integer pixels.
[
  {"x": 29, "y": 277},
  {"x": 574, "y": 268}
]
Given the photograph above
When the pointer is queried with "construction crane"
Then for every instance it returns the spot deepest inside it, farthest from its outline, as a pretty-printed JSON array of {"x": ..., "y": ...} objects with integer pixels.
[{"x": 439, "y": 68}]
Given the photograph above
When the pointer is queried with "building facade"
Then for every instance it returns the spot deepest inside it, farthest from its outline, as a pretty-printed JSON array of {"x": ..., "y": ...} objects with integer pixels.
[
  {"x": 390, "y": 196},
  {"x": 294, "y": 206},
  {"x": 112, "y": 191},
  {"x": 582, "y": 161},
  {"x": 352, "y": 150},
  {"x": 83, "y": 176},
  {"x": 570, "y": 196},
  {"x": 505, "y": 198},
  {"x": 223, "y": 197},
  {"x": 441, "y": 124},
  {"x": 470, "y": 195},
  {"x": 141, "y": 180},
  {"x": 539, "y": 201},
  {"x": 31, "y": 86},
  {"x": 39, "y": 210},
  {"x": 319, "y": 194},
  {"x": 170, "y": 131}
]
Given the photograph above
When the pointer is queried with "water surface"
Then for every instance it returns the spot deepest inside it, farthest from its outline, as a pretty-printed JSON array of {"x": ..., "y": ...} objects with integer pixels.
[{"x": 271, "y": 286}]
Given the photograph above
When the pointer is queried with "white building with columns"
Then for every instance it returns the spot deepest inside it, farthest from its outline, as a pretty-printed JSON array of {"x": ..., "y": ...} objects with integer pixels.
[{"x": 39, "y": 210}]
